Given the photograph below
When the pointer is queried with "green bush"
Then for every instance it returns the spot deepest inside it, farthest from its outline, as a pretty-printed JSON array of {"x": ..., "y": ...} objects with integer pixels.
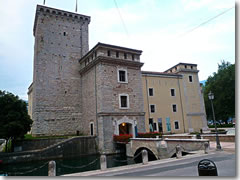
[
  {"x": 194, "y": 133},
  {"x": 30, "y": 137},
  {"x": 9, "y": 146}
]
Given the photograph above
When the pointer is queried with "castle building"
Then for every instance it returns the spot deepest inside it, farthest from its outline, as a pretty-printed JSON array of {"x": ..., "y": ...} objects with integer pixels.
[
  {"x": 102, "y": 91},
  {"x": 173, "y": 100}
]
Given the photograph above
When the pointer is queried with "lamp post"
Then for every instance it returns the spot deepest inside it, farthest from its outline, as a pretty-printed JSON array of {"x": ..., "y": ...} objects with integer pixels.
[{"x": 211, "y": 97}]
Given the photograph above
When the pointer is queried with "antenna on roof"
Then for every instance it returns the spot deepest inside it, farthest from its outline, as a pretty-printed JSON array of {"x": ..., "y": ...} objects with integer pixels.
[
  {"x": 76, "y": 6},
  {"x": 44, "y": 2}
]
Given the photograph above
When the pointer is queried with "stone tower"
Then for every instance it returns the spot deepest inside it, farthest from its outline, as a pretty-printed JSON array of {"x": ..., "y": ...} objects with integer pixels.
[
  {"x": 112, "y": 93},
  {"x": 61, "y": 38}
]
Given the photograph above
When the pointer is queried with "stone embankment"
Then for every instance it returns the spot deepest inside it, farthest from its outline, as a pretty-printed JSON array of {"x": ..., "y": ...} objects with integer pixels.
[{"x": 73, "y": 147}]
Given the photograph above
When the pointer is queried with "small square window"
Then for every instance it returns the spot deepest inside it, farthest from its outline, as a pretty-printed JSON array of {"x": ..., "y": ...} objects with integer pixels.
[
  {"x": 174, "y": 108},
  {"x": 150, "y": 91},
  {"x": 176, "y": 125},
  {"x": 190, "y": 78},
  {"x": 172, "y": 92},
  {"x": 152, "y": 108}
]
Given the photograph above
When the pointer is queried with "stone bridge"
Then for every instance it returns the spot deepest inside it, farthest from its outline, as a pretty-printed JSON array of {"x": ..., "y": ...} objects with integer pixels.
[{"x": 163, "y": 148}]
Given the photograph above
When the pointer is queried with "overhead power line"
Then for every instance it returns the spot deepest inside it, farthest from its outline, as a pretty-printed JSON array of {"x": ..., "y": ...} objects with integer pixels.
[
  {"x": 205, "y": 22},
  {"x": 124, "y": 26}
]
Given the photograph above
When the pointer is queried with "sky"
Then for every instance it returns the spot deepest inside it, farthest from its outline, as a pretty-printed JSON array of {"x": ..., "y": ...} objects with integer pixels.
[{"x": 167, "y": 31}]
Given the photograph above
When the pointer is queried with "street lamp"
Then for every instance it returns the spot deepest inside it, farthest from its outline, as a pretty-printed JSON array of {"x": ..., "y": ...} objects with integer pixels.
[{"x": 211, "y": 97}]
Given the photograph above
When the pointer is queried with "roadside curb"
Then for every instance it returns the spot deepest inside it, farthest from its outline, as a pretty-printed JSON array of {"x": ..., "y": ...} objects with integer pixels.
[{"x": 135, "y": 166}]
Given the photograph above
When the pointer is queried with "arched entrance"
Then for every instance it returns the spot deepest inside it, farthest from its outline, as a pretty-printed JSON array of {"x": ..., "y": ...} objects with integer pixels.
[{"x": 125, "y": 128}]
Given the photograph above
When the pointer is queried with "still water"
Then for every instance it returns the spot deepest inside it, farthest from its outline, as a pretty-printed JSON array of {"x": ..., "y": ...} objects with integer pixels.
[{"x": 64, "y": 166}]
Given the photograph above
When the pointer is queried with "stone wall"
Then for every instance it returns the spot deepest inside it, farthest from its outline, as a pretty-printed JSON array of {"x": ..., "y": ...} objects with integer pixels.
[
  {"x": 78, "y": 146},
  {"x": 61, "y": 38},
  {"x": 88, "y": 101},
  {"x": 29, "y": 145},
  {"x": 222, "y": 137},
  {"x": 109, "y": 88},
  {"x": 108, "y": 107},
  {"x": 210, "y": 137}
]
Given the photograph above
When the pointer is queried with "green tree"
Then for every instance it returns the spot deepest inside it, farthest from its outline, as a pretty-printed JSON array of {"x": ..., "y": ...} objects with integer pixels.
[
  {"x": 222, "y": 84},
  {"x": 14, "y": 119}
]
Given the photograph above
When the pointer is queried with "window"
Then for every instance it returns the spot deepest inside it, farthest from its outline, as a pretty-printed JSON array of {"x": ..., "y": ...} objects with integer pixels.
[
  {"x": 168, "y": 124},
  {"x": 133, "y": 57},
  {"x": 123, "y": 101},
  {"x": 91, "y": 129},
  {"x": 109, "y": 53},
  {"x": 117, "y": 54},
  {"x": 160, "y": 128},
  {"x": 174, "y": 108},
  {"x": 152, "y": 108},
  {"x": 122, "y": 76},
  {"x": 154, "y": 126},
  {"x": 125, "y": 55},
  {"x": 186, "y": 66},
  {"x": 64, "y": 33},
  {"x": 151, "y": 124},
  {"x": 172, "y": 92},
  {"x": 150, "y": 91},
  {"x": 191, "y": 67},
  {"x": 176, "y": 125},
  {"x": 150, "y": 120},
  {"x": 190, "y": 78}
]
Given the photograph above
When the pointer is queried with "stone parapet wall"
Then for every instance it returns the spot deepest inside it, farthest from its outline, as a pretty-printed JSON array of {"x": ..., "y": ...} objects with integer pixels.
[
  {"x": 211, "y": 137},
  {"x": 222, "y": 137}
]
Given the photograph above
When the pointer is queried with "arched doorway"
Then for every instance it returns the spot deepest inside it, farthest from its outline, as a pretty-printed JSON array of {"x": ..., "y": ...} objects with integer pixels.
[{"x": 125, "y": 128}]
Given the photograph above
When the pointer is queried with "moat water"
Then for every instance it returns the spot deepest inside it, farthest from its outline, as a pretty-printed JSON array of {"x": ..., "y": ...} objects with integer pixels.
[{"x": 64, "y": 166}]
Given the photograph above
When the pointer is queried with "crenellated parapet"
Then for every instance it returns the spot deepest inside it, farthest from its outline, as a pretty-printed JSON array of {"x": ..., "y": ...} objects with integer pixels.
[
  {"x": 183, "y": 67},
  {"x": 115, "y": 54},
  {"x": 48, "y": 11}
]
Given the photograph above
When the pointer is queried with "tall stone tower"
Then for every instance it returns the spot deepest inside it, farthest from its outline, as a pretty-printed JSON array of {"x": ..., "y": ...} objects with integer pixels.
[{"x": 61, "y": 38}]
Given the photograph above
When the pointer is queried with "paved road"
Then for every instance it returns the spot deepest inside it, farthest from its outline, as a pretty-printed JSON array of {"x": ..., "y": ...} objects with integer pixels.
[
  {"x": 186, "y": 166},
  {"x": 225, "y": 164}
]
